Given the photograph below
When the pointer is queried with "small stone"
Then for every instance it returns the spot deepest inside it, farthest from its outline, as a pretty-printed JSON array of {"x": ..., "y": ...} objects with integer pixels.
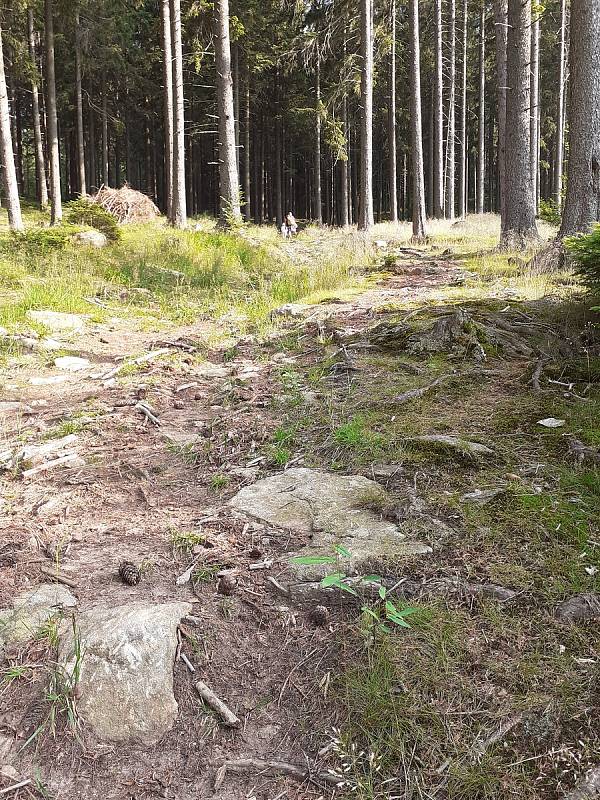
[
  {"x": 579, "y": 608},
  {"x": 71, "y": 363},
  {"x": 481, "y": 497},
  {"x": 90, "y": 238},
  {"x": 226, "y": 584}
]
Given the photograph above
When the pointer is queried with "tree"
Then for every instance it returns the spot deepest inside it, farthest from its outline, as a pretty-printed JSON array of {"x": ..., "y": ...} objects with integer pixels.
[
  {"x": 535, "y": 105},
  {"x": 9, "y": 172},
  {"x": 230, "y": 213},
  {"x": 438, "y": 117},
  {"x": 79, "y": 108},
  {"x": 52, "y": 121},
  {"x": 480, "y": 197},
  {"x": 451, "y": 149},
  {"x": 317, "y": 201},
  {"x": 418, "y": 215},
  {"x": 179, "y": 218},
  {"x": 501, "y": 29},
  {"x": 583, "y": 171},
  {"x": 560, "y": 110},
  {"x": 462, "y": 178},
  {"x": 393, "y": 177},
  {"x": 365, "y": 217},
  {"x": 40, "y": 164},
  {"x": 165, "y": 15},
  {"x": 518, "y": 228}
]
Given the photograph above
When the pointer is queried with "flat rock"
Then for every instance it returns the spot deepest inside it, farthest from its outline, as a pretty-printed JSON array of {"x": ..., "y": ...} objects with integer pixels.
[
  {"x": 126, "y": 679},
  {"x": 210, "y": 370},
  {"x": 481, "y": 497},
  {"x": 463, "y": 446},
  {"x": 9, "y": 407},
  {"x": 90, "y": 238},
  {"x": 50, "y": 380},
  {"x": 331, "y": 508},
  {"x": 31, "y": 609},
  {"x": 58, "y": 321},
  {"x": 71, "y": 363},
  {"x": 579, "y": 608}
]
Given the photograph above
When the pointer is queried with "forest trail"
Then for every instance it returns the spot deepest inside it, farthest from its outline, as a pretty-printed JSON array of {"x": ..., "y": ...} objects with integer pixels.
[{"x": 160, "y": 446}]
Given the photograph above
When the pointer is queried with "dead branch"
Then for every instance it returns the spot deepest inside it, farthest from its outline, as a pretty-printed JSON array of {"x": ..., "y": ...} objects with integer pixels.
[
  {"x": 57, "y": 462},
  {"x": 280, "y": 768},
  {"x": 414, "y": 394},
  {"x": 58, "y": 576},
  {"x": 15, "y": 786},
  {"x": 211, "y": 699},
  {"x": 534, "y": 381},
  {"x": 147, "y": 412}
]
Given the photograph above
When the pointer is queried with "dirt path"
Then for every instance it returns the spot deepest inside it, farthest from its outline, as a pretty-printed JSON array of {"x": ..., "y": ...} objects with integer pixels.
[{"x": 156, "y": 495}]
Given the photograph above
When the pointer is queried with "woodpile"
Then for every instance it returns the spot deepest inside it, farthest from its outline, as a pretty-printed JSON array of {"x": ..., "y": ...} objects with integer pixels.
[{"x": 126, "y": 204}]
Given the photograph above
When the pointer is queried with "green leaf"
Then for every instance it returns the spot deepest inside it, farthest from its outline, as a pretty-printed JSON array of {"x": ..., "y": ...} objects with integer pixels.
[
  {"x": 307, "y": 560},
  {"x": 333, "y": 579},
  {"x": 370, "y": 612},
  {"x": 342, "y": 551},
  {"x": 371, "y": 579}
]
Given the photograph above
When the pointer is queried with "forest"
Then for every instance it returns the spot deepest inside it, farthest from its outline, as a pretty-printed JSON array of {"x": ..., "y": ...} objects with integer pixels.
[{"x": 300, "y": 399}]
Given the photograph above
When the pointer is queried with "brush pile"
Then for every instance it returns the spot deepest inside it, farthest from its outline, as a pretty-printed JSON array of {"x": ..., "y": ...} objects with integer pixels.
[{"x": 126, "y": 204}]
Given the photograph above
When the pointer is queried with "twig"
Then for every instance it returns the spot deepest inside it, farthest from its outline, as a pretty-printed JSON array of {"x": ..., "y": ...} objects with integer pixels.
[
  {"x": 58, "y": 576},
  {"x": 413, "y": 394},
  {"x": 57, "y": 462},
  {"x": 211, "y": 699},
  {"x": 534, "y": 381},
  {"x": 15, "y": 786},
  {"x": 279, "y": 768},
  {"x": 278, "y": 586},
  {"x": 141, "y": 406},
  {"x": 187, "y": 662}
]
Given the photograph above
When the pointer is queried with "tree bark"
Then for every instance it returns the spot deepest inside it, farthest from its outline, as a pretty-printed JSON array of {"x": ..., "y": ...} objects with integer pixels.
[
  {"x": 418, "y": 200},
  {"x": 501, "y": 35},
  {"x": 247, "y": 189},
  {"x": 393, "y": 169},
  {"x": 438, "y": 117},
  {"x": 165, "y": 15},
  {"x": 560, "y": 111},
  {"x": 365, "y": 216},
  {"x": 52, "y": 129},
  {"x": 79, "y": 109},
  {"x": 343, "y": 168},
  {"x": 480, "y": 202},
  {"x": 534, "y": 114},
  {"x": 40, "y": 164},
  {"x": 583, "y": 170},
  {"x": 462, "y": 179},
  {"x": 317, "y": 200},
  {"x": 179, "y": 205},
  {"x": 451, "y": 145},
  {"x": 230, "y": 213},
  {"x": 105, "y": 175},
  {"x": 9, "y": 173}
]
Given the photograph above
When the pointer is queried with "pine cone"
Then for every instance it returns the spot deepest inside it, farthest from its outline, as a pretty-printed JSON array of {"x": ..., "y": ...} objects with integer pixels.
[
  {"x": 226, "y": 584},
  {"x": 129, "y": 573}
]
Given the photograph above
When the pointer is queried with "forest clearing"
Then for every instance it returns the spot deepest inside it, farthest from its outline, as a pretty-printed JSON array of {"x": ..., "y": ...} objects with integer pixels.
[{"x": 300, "y": 400}]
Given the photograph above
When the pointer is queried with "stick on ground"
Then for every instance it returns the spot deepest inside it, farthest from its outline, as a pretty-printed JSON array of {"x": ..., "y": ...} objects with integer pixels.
[
  {"x": 278, "y": 768},
  {"x": 211, "y": 699}
]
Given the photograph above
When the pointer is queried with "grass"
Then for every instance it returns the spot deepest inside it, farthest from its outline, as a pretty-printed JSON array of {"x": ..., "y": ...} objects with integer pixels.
[{"x": 185, "y": 540}]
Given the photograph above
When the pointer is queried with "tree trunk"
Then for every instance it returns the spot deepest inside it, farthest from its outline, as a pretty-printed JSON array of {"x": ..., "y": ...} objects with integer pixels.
[
  {"x": 560, "y": 111},
  {"x": 451, "y": 146},
  {"x": 438, "y": 118},
  {"x": 165, "y": 13},
  {"x": 56, "y": 205},
  {"x": 534, "y": 114},
  {"x": 105, "y": 175},
  {"x": 518, "y": 217},
  {"x": 40, "y": 165},
  {"x": 480, "y": 201},
  {"x": 583, "y": 169},
  {"x": 343, "y": 168},
  {"x": 79, "y": 109},
  {"x": 501, "y": 35},
  {"x": 418, "y": 204},
  {"x": 462, "y": 185},
  {"x": 365, "y": 216},
  {"x": 247, "y": 189},
  {"x": 393, "y": 169},
  {"x": 230, "y": 213},
  {"x": 179, "y": 219},
  {"x": 317, "y": 201},
  {"x": 9, "y": 173}
]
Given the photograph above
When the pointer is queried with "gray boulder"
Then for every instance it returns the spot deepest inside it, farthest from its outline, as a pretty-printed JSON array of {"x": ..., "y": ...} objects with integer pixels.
[
  {"x": 31, "y": 610},
  {"x": 125, "y": 684},
  {"x": 90, "y": 238}
]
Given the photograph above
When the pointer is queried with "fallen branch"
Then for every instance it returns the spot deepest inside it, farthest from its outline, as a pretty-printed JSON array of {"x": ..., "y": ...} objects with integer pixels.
[
  {"x": 211, "y": 699},
  {"x": 147, "y": 412},
  {"x": 14, "y": 787},
  {"x": 413, "y": 394},
  {"x": 277, "y": 768},
  {"x": 58, "y": 576},
  {"x": 57, "y": 462},
  {"x": 534, "y": 381},
  {"x": 139, "y": 360}
]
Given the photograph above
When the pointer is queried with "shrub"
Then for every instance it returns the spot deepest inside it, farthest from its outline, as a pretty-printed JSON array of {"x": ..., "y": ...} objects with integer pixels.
[
  {"x": 549, "y": 212},
  {"x": 86, "y": 212},
  {"x": 585, "y": 252},
  {"x": 37, "y": 240}
]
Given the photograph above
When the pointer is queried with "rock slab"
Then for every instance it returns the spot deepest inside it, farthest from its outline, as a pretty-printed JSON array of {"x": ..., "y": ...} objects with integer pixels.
[
  {"x": 333, "y": 508},
  {"x": 57, "y": 321},
  {"x": 31, "y": 609},
  {"x": 126, "y": 671}
]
